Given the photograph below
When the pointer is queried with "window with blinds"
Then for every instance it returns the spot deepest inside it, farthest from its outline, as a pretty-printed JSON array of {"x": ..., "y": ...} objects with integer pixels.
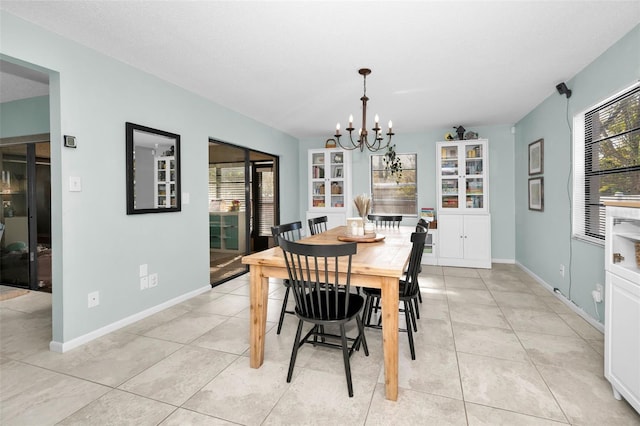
[
  {"x": 389, "y": 196},
  {"x": 226, "y": 186},
  {"x": 606, "y": 160}
]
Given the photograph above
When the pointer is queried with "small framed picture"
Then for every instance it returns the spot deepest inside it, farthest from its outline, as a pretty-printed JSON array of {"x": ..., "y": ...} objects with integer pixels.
[
  {"x": 536, "y": 157},
  {"x": 536, "y": 194},
  {"x": 338, "y": 172}
]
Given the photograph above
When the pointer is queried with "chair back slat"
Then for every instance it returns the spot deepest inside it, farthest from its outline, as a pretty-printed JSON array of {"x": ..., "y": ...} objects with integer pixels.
[
  {"x": 320, "y": 277},
  {"x": 385, "y": 221},
  {"x": 318, "y": 225},
  {"x": 411, "y": 277}
]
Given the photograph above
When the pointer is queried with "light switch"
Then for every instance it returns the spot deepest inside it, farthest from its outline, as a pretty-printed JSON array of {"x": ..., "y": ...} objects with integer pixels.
[
  {"x": 185, "y": 198},
  {"x": 75, "y": 185}
]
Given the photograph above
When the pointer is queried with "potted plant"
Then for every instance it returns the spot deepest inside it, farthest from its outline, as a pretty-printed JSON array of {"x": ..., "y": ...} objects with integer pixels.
[{"x": 392, "y": 163}]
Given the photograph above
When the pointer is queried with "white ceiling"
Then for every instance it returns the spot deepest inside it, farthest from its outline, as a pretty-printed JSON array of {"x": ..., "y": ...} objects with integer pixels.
[{"x": 293, "y": 64}]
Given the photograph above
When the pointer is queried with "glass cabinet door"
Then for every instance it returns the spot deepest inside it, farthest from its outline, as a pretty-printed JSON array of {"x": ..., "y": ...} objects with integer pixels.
[
  {"x": 474, "y": 176},
  {"x": 462, "y": 178},
  {"x": 327, "y": 175}
]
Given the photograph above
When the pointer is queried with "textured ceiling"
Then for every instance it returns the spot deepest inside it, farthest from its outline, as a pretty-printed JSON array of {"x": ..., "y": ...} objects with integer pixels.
[{"x": 293, "y": 65}]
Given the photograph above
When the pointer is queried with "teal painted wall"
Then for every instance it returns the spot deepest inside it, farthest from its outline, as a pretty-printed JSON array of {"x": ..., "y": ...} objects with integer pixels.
[
  {"x": 543, "y": 240},
  {"x": 24, "y": 117},
  {"x": 96, "y": 246},
  {"x": 501, "y": 177}
]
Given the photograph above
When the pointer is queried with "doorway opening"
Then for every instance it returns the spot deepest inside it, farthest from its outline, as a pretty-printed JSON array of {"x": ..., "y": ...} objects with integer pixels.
[{"x": 243, "y": 205}]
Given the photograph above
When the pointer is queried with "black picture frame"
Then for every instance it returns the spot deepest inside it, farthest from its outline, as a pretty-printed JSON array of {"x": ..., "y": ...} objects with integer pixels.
[
  {"x": 536, "y": 157},
  {"x": 536, "y": 194},
  {"x": 152, "y": 170}
]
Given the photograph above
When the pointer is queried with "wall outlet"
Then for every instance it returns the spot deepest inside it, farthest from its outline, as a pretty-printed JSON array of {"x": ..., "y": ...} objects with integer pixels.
[
  {"x": 144, "y": 283},
  {"x": 562, "y": 271},
  {"x": 153, "y": 280},
  {"x": 94, "y": 299}
]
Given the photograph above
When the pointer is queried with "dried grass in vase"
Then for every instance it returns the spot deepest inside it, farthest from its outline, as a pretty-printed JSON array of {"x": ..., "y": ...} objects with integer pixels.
[{"x": 362, "y": 203}]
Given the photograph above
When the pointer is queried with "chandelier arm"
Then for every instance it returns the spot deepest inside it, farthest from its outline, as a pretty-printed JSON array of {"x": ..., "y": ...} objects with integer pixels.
[{"x": 354, "y": 146}]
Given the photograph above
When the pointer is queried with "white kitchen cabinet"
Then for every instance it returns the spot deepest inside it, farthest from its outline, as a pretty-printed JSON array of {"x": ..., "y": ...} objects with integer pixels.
[
  {"x": 464, "y": 240},
  {"x": 622, "y": 300}
]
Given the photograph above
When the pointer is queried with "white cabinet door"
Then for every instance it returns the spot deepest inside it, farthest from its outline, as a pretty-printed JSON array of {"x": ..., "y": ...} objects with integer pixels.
[
  {"x": 451, "y": 233},
  {"x": 622, "y": 338},
  {"x": 464, "y": 240},
  {"x": 477, "y": 232}
]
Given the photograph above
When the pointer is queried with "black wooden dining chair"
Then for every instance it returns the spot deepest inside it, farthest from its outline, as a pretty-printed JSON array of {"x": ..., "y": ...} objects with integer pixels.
[
  {"x": 320, "y": 277},
  {"x": 408, "y": 291},
  {"x": 385, "y": 221},
  {"x": 291, "y": 232},
  {"x": 318, "y": 225}
]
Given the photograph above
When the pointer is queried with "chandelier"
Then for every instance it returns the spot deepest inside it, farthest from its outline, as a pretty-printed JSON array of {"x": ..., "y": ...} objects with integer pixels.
[{"x": 376, "y": 143}]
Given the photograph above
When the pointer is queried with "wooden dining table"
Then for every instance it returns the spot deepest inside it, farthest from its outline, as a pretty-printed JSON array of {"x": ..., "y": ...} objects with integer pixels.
[{"x": 377, "y": 264}]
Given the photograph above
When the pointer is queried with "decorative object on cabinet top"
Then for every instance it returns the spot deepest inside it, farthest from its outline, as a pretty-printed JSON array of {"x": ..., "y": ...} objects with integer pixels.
[{"x": 330, "y": 143}]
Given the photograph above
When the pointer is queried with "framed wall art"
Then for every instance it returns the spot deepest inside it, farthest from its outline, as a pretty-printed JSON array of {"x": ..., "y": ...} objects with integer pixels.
[
  {"x": 536, "y": 157},
  {"x": 536, "y": 194}
]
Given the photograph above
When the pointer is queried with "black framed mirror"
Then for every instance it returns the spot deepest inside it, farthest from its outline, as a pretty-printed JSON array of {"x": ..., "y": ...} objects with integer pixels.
[{"x": 153, "y": 170}]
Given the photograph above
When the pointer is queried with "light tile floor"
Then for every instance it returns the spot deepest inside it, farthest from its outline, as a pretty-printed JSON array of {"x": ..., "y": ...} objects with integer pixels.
[{"x": 493, "y": 348}]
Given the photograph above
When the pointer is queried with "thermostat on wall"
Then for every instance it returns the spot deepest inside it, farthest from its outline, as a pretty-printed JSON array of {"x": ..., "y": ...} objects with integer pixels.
[{"x": 70, "y": 141}]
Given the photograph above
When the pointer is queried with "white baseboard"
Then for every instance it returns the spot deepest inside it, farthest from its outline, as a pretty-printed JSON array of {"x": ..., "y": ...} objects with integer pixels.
[
  {"x": 81, "y": 340},
  {"x": 510, "y": 261},
  {"x": 575, "y": 308}
]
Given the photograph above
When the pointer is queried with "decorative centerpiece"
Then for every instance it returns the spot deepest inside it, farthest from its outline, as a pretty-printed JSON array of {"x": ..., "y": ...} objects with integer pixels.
[{"x": 363, "y": 203}]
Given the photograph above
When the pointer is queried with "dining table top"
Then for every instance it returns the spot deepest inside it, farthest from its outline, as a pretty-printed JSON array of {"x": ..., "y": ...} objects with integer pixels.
[{"x": 387, "y": 258}]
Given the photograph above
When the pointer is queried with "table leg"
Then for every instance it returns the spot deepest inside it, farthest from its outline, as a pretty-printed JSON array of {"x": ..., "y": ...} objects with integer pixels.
[
  {"x": 259, "y": 292},
  {"x": 390, "y": 336}
]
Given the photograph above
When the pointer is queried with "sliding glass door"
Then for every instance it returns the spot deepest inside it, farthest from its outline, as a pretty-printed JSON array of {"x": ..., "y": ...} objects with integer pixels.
[
  {"x": 25, "y": 217},
  {"x": 242, "y": 207}
]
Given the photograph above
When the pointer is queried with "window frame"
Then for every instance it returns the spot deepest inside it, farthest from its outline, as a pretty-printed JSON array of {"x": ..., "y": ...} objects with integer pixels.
[
  {"x": 579, "y": 207},
  {"x": 373, "y": 209}
]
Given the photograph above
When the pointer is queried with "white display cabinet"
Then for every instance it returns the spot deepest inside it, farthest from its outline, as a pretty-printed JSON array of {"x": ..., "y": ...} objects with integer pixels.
[
  {"x": 622, "y": 300},
  {"x": 329, "y": 180},
  {"x": 464, "y": 223}
]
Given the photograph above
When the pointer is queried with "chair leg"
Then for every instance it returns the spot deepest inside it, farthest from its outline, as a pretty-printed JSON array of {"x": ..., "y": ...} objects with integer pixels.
[
  {"x": 417, "y": 307},
  {"x": 412, "y": 314},
  {"x": 345, "y": 355},
  {"x": 284, "y": 309},
  {"x": 362, "y": 339},
  {"x": 409, "y": 331},
  {"x": 366, "y": 314},
  {"x": 294, "y": 351}
]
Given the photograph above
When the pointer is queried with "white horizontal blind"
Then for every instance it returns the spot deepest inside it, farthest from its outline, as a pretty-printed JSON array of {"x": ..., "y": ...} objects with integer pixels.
[
  {"x": 389, "y": 196},
  {"x": 606, "y": 160},
  {"x": 226, "y": 183}
]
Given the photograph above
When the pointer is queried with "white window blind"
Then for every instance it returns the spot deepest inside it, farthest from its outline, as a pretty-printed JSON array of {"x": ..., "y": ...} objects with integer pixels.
[
  {"x": 389, "y": 196},
  {"x": 226, "y": 184},
  {"x": 606, "y": 160}
]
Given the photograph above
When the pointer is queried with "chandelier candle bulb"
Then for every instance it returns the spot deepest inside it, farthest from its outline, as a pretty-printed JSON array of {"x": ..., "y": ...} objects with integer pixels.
[
  {"x": 351, "y": 120},
  {"x": 337, "y": 129},
  {"x": 377, "y": 120}
]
